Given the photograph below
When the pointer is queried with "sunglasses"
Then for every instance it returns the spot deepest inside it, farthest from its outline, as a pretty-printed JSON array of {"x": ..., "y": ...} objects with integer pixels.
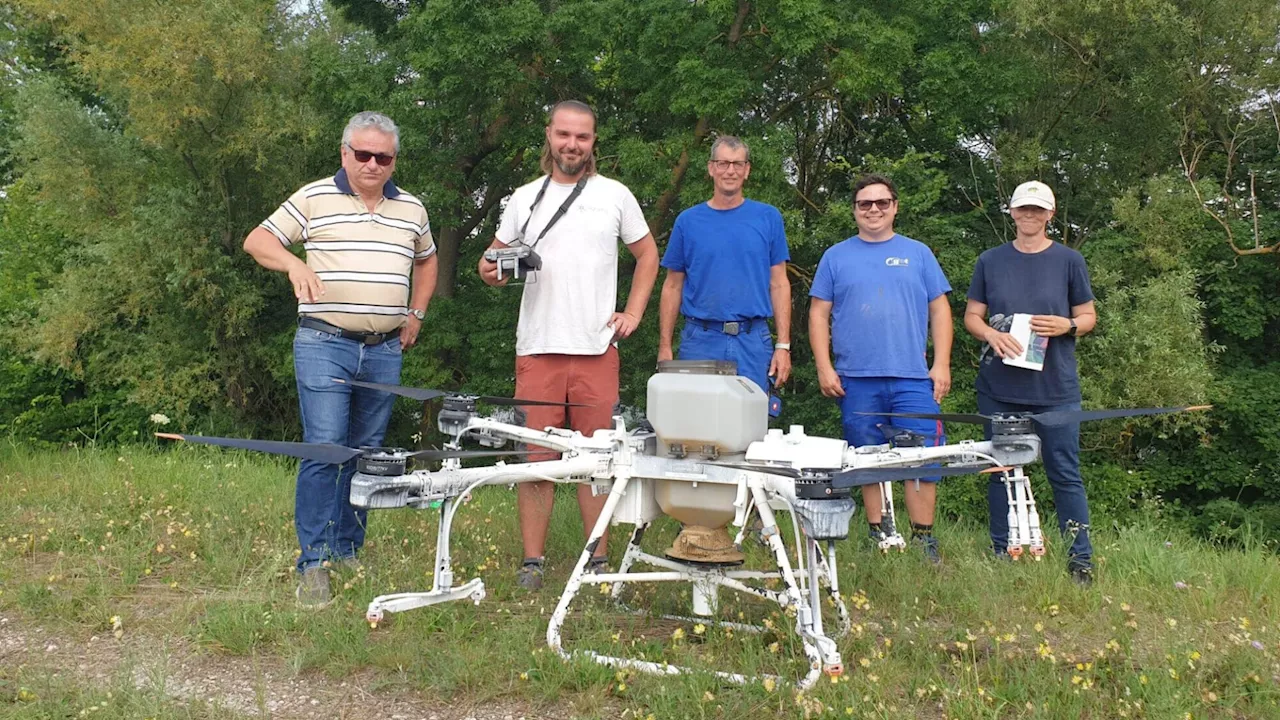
[
  {"x": 363, "y": 156},
  {"x": 882, "y": 203}
]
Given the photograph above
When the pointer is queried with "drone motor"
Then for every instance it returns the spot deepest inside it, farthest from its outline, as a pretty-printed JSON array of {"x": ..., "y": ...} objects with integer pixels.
[
  {"x": 383, "y": 462},
  {"x": 456, "y": 412}
]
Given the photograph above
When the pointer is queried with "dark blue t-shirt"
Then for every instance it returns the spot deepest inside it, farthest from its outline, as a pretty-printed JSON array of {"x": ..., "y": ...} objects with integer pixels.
[
  {"x": 879, "y": 294},
  {"x": 726, "y": 256},
  {"x": 1049, "y": 282}
]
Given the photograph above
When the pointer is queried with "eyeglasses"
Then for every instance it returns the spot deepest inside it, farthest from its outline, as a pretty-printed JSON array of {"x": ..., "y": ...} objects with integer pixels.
[
  {"x": 723, "y": 165},
  {"x": 363, "y": 156},
  {"x": 882, "y": 203}
]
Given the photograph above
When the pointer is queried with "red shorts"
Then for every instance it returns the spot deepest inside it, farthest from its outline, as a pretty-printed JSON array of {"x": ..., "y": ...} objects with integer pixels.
[{"x": 588, "y": 379}]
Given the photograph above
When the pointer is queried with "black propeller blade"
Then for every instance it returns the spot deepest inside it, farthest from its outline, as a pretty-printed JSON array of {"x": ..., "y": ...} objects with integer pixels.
[
  {"x": 320, "y": 452},
  {"x": 1050, "y": 418},
  {"x": 871, "y": 476},
  {"x": 324, "y": 452},
  {"x": 1066, "y": 417},
  {"x": 429, "y": 394}
]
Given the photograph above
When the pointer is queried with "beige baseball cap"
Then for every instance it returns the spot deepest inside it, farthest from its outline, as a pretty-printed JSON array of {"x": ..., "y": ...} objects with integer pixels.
[{"x": 1033, "y": 193}]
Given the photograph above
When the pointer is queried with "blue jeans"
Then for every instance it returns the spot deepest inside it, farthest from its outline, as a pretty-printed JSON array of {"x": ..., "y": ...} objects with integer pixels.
[
  {"x": 329, "y": 528},
  {"x": 752, "y": 350},
  {"x": 888, "y": 395},
  {"x": 1060, "y": 451}
]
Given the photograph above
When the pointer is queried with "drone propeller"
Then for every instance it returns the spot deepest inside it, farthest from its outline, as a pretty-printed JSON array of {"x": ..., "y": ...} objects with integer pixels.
[
  {"x": 429, "y": 394},
  {"x": 1049, "y": 418},
  {"x": 325, "y": 452},
  {"x": 871, "y": 476}
]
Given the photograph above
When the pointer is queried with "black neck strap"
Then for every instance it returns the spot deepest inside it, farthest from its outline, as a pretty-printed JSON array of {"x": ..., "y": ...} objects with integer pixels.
[{"x": 564, "y": 208}]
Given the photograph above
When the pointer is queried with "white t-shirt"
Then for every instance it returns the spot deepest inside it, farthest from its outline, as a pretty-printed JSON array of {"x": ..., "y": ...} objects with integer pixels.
[{"x": 567, "y": 304}]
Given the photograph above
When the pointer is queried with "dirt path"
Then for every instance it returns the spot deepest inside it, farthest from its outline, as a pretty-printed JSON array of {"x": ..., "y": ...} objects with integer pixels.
[{"x": 252, "y": 687}]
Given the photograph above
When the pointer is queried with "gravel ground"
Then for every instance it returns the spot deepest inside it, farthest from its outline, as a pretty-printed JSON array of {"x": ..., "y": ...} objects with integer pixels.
[{"x": 252, "y": 687}]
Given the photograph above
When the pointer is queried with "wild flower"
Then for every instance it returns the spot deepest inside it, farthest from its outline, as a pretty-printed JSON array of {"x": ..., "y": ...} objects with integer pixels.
[{"x": 160, "y": 419}]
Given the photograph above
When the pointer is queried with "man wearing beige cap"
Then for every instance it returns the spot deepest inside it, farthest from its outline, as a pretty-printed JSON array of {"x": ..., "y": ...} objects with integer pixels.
[{"x": 1048, "y": 280}]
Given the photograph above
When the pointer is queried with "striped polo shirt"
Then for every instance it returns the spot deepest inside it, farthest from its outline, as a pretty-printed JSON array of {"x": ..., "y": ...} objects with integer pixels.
[{"x": 364, "y": 259}]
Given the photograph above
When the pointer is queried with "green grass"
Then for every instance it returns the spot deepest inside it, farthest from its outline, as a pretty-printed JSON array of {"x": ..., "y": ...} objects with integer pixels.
[{"x": 198, "y": 544}]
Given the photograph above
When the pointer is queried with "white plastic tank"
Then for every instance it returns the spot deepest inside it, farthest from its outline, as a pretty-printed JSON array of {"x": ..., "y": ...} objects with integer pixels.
[{"x": 704, "y": 409}]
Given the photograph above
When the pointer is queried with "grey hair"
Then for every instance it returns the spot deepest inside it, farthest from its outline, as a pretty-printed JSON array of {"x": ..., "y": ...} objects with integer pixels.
[
  {"x": 731, "y": 142},
  {"x": 369, "y": 120}
]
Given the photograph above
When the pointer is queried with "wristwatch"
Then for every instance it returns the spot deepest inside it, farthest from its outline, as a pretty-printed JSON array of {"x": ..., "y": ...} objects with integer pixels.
[
  {"x": 420, "y": 314},
  {"x": 1072, "y": 330},
  {"x": 783, "y": 346}
]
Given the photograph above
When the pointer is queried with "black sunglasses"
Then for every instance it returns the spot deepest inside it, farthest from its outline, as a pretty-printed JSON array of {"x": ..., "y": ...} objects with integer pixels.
[
  {"x": 882, "y": 203},
  {"x": 363, "y": 156}
]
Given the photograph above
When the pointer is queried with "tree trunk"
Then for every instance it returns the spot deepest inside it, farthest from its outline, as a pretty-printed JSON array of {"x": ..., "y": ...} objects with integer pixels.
[{"x": 448, "y": 247}]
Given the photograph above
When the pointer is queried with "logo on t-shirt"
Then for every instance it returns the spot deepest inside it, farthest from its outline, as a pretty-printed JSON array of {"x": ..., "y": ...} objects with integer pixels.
[{"x": 897, "y": 262}]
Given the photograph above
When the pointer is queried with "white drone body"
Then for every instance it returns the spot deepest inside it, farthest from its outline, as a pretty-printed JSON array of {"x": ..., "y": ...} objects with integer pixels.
[{"x": 696, "y": 466}]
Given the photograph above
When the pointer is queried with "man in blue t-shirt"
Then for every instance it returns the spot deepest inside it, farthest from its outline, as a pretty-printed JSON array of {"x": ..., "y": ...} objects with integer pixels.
[
  {"x": 727, "y": 274},
  {"x": 877, "y": 298},
  {"x": 1049, "y": 281}
]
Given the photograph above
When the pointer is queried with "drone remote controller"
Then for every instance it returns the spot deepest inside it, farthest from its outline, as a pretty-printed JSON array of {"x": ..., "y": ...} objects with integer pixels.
[{"x": 515, "y": 262}]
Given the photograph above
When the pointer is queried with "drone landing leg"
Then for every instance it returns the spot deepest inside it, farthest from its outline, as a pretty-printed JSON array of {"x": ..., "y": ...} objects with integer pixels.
[
  {"x": 629, "y": 558},
  {"x": 821, "y": 650},
  {"x": 442, "y": 589},
  {"x": 889, "y": 521},
  {"x": 1012, "y": 491},
  {"x": 1034, "y": 537},
  {"x": 827, "y": 568}
]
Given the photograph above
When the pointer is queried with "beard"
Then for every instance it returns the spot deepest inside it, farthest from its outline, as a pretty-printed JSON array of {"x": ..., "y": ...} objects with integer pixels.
[{"x": 567, "y": 166}]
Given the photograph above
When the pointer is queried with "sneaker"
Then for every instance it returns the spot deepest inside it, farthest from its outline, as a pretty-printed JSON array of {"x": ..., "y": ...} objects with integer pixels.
[
  {"x": 529, "y": 576},
  {"x": 929, "y": 546},
  {"x": 1082, "y": 574},
  {"x": 313, "y": 588},
  {"x": 877, "y": 536},
  {"x": 597, "y": 564}
]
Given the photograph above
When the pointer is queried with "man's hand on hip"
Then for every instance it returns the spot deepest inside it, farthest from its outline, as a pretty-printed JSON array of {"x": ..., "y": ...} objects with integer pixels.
[
  {"x": 780, "y": 366},
  {"x": 623, "y": 325},
  {"x": 307, "y": 286},
  {"x": 409, "y": 332}
]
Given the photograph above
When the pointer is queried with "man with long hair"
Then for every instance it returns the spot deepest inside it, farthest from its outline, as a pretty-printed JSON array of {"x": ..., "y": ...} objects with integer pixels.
[{"x": 566, "y": 337}]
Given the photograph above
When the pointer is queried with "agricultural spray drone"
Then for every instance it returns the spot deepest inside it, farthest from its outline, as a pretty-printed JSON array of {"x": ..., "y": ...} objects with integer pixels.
[{"x": 707, "y": 458}]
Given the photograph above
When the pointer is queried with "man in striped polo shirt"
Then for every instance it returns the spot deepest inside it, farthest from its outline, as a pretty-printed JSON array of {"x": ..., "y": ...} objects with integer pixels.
[{"x": 365, "y": 239}]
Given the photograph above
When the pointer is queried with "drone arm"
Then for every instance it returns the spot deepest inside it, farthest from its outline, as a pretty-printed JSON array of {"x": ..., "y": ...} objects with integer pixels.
[
  {"x": 561, "y": 443},
  {"x": 452, "y": 482},
  {"x": 904, "y": 457}
]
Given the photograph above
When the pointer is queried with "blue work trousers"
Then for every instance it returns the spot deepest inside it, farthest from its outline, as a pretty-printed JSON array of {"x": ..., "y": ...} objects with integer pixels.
[
  {"x": 1060, "y": 452},
  {"x": 329, "y": 528},
  {"x": 752, "y": 349}
]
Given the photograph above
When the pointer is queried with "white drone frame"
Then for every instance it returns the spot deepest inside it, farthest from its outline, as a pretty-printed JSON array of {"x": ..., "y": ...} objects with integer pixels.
[{"x": 614, "y": 460}]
